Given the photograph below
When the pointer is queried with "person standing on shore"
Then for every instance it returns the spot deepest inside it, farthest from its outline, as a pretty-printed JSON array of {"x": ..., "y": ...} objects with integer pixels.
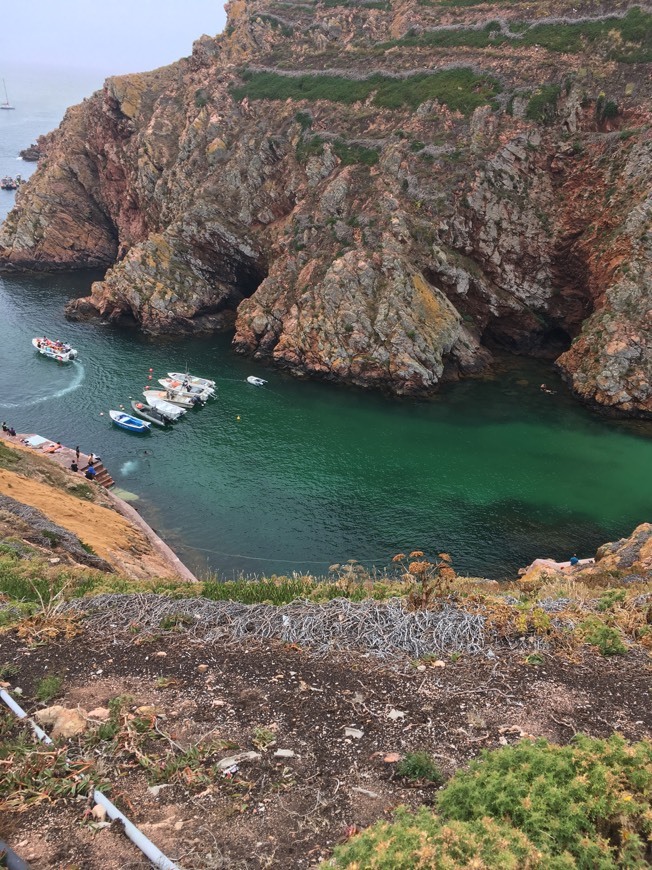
[{"x": 77, "y": 454}]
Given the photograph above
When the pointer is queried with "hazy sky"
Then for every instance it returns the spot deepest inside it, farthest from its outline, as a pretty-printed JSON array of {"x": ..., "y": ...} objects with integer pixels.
[{"x": 112, "y": 36}]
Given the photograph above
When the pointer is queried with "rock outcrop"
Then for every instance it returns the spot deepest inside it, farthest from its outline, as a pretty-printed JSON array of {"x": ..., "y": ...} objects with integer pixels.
[{"x": 381, "y": 194}]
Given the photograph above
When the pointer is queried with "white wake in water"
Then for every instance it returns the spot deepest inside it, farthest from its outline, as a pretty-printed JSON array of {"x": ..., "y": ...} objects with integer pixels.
[
  {"x": 75, "y": 384},
  {"x": 129, "y": 466}
]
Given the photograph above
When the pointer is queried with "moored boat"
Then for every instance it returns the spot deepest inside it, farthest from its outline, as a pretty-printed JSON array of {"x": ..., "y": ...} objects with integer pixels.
[
  {"x": 148, "y": 413},
  {"x": 167, "y": 396},
  {"x": 131, "y": 424},
  {"x": 183, "y": 388},
  {"x": 6, "y": 104},
  {"x": 58, "y": 350},
  {"x": 257, "y": 382},
  {"x": 192, "y": 379},
  {"x": 167, "y": 409}
]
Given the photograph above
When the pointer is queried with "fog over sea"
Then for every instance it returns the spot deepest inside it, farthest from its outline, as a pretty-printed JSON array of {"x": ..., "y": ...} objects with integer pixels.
[{"x": 298, "y": 475}]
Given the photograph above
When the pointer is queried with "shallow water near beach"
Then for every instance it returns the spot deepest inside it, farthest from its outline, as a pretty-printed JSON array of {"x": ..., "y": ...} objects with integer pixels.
[{"x": 299, "y": 475}]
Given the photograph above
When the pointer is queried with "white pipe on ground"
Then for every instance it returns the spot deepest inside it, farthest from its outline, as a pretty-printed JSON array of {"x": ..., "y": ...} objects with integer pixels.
[
  {"x": 13, "y": 706},
  {"x": 137, "y": 837},
  {"x": 158, "y": 859}
]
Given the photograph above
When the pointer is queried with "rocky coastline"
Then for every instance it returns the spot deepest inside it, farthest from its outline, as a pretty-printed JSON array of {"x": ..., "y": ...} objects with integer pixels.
[{"x": 376, "y": 196}]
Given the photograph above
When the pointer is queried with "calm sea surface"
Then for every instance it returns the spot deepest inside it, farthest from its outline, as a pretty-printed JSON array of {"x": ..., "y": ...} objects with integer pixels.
[{"x": 299, "y": 475}]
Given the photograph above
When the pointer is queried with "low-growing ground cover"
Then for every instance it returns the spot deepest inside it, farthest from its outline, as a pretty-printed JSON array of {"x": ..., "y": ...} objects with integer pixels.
[
  {"x": 459, "y": 88},
  {"x": 627, "y": 39}
]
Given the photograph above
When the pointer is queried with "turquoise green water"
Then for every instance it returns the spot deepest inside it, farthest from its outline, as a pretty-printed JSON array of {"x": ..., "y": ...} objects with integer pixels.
[
  {"x": 494, "y": 472},
  {"x": 298, "y": 475}
]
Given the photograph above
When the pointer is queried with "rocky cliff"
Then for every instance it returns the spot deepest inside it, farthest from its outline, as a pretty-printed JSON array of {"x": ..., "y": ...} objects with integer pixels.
[{"x": 382, "y": 193}]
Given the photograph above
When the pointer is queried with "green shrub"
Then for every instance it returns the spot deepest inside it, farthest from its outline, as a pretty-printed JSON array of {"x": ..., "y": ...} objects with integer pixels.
[
  {"x": 309, "y": 147},
  {"x": 589, "y": 800},
  {"x": 423, "y": 841},
  {"x": 419, "y": 765},
  {"x": 605, "y": 109},
  {"x": 350, "y": 154},
  {"x": 48, "y": 688},
  {"x": 607, "y": 639},
  {"x": 304, "y": 120},
  {"x": 610, "y": 598},
  {"x": 175, "y": 621},
  {"x": 459, "y": 88},
  {"x": 201, "y": 98},
  {"x": 543, "y": 104}
]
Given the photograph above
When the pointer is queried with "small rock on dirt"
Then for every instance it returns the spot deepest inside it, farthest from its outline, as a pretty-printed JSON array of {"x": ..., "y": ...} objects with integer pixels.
[
  {"x": 66, "y": 723},
  {"x": 202, "y": 668},
  {"x": 100, "y": 714},
  {"x": 225, "y": 763},
  {"x": 99, "y": 813},
  {"x": 392, "y": 757},
  {"x": 395, "y": 714},
  {"x": 365, "y": 792},
  {"x": 155, "y": 790},
  {"x": 284, "y": 753},
  {"x": 353, "y": 732},
  {"x": 146, "y": 710}
]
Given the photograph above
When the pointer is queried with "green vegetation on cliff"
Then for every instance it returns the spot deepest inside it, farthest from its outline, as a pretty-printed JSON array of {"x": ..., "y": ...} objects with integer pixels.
[
  {"x": 460, "y": 89},
  {"x": 628, "y": 39}
]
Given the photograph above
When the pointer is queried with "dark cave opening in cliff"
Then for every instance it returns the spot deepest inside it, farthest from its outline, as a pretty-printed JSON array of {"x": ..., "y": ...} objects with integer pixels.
[{"x": 546, "y": 343}]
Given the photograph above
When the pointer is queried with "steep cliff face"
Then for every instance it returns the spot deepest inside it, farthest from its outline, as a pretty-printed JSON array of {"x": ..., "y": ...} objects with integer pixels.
[{"x": 380, "y": 193}]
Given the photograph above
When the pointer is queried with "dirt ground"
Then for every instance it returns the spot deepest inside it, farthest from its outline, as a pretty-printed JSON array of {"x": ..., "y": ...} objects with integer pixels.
[{"x": 291, "y": 811}]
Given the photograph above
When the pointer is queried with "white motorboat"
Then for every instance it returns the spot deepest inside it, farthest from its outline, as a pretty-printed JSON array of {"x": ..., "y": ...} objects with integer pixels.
[
  {"x": 192, "y": 379},
  {"x": 257, "y": 382},
  {"x": 58, "y": 350},
  {"x": 201, "y": 394},
  {"x": 159, "y": 399}
]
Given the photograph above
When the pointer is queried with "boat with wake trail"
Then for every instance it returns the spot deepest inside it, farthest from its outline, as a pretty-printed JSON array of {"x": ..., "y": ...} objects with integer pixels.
[
  {"x": 58, "y": 350},
  {"x": 172, "y": 398},
  {"x": 156, "y": 400},
  {"x": 257, "y": 382},
  {"x": 148, "y": 413},
  {"x": 131, "y": 424},
  {"x": 192, "y": 379},
  {"x": 202, "y": 394}
]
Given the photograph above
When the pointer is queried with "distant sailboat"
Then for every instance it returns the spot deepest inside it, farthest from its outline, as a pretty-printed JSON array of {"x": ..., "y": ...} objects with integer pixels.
[{"x": 6, "y": 104}]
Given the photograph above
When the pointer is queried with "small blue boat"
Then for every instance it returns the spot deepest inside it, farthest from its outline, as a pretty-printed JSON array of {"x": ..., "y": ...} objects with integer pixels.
[{"x": 126, "y": 421}]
